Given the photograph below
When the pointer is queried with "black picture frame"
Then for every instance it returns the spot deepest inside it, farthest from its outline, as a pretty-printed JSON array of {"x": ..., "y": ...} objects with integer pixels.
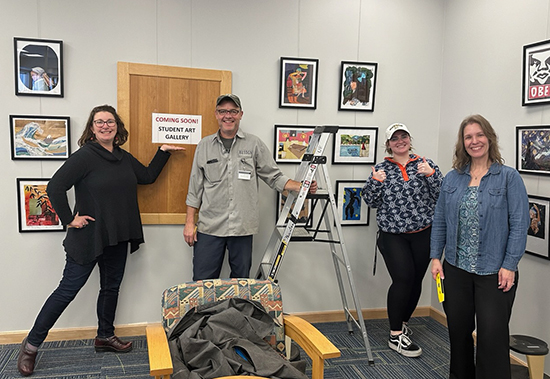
[
  {"x": 46, "y": 57},
  {"x": 533, "y": 149},
  {"x": 536, "y": 75},
  {"x": 291, "y": 142},
  {"x": 352, "y": 210},
  {"x": 355, "y": 145},
  {"x": 35, "y": 210},
  {"x": 40, "y": 137},
  {"x": 357, "y": 86},
  {"x": 298, "y": 83},
  {"x": 538, "y": 239},
  {"x": 305, "y": 217}
]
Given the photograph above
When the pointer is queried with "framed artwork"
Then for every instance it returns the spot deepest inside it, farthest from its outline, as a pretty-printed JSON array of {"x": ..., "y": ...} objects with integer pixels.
[
  {"x": 36, "y": 213},
  {"x": 304, "y": 219},
  {"x": 538, "y": 241},
  {"x": 536, "y": 73},
  {"x": 355, "y": 144},
  {"x": 291, "y": 142},
  {"x": 357, "y": 86},
  {"x": 351, "y": 208},
  {"x": 298, "y": 85},
  {"x": 38, "y": 67},
  {"x": 40, "y": 137},
  {"x": 533, "y": 149}
]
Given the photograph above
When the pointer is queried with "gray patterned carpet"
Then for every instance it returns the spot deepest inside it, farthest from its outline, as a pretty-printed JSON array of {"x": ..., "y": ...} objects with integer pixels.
[
  {"x": 78, "y": 360},
  {"x": 427, "y": 333}
]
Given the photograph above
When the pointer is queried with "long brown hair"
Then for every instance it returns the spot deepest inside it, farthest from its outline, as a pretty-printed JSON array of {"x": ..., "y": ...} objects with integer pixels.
[
  {"x": 461, "y": 158},
  {"x": 88, "y": 135}
]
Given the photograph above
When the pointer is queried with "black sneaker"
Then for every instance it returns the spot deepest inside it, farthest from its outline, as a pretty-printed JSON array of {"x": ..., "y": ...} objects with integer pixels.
[
  {"x": 407, "y": 330},
  {"x": 404, "y": 346}
]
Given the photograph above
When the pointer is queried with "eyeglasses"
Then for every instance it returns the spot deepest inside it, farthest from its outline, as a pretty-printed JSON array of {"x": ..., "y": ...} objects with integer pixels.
[
  {"x": 232, "y": 112},
  {"x": 100, "y": 123},
  {"x": 397, "y": 138}
]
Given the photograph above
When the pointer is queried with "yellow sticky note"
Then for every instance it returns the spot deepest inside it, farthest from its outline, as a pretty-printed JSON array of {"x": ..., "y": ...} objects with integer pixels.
[{"x": 440, "y": 290}]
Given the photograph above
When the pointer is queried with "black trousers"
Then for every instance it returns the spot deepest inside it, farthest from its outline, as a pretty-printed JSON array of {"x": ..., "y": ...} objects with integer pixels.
[
  {"x": 474, "y": 302},
  {"x": 407, "y": 256}
]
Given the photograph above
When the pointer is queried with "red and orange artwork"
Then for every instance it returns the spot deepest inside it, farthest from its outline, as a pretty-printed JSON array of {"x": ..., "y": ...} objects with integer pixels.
[{"x": 38, "y": 208}]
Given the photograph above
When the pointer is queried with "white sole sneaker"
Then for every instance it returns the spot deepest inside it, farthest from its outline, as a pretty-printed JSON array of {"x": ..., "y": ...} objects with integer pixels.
[{"x": 405, "y": 347}]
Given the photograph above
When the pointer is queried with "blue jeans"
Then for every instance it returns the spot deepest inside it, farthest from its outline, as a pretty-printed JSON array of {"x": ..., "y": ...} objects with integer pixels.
[
  {"x": 209, "y": 252},
  {"x": 111, "y": 271}
]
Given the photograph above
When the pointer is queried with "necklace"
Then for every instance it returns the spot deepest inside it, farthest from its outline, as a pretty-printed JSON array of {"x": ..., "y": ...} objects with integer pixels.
[{"x": 480, "y": 173}]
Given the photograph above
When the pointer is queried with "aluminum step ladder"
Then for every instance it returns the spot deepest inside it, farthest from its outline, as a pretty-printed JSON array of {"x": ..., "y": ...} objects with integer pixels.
[{"x": 286, "y": 230}]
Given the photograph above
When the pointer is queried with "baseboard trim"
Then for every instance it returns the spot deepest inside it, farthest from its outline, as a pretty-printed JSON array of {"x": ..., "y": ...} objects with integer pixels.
[
  {"x": 368, "y": 314},
  {"x": 139, "y": 329},
  {"x": 74, "y": 333},
  {"x": 130, "y": 330}
]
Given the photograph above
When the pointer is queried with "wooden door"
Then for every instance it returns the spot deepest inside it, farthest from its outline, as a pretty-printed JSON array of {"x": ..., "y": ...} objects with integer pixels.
[{"x": 146, "y": 89}]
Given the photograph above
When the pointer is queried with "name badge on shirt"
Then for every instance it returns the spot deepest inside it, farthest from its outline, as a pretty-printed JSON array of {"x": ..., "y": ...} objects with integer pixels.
[{"x": 245, "y": 175}]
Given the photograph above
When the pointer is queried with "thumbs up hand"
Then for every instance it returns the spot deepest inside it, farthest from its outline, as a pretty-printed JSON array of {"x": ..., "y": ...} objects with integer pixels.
[
  {"x": 379, "y": 175},
  {"x": 424, "y": 168}
]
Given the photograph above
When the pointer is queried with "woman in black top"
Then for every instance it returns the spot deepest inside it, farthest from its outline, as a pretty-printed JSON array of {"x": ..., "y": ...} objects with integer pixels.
[{"x": 105, "y": 220}]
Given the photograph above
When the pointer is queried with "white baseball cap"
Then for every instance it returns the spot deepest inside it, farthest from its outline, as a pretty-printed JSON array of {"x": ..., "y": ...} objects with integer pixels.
[{"x": 394, "y": 128}]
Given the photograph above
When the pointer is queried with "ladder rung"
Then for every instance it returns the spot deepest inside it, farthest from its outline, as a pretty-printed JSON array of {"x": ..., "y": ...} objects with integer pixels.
[
  {"x": 322, "y": 195},
  {"x": 299, "y": 234}
]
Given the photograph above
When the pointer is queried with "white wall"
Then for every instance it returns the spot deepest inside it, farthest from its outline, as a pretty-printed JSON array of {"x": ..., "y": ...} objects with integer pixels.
[
  {"x": 246, "y": 37},
  {"x": 482, "y": 65},
  {"x": 438, "y": 62}
]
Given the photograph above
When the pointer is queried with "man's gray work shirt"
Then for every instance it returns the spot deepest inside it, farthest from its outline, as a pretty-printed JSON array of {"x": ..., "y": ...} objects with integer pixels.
[{"x": 224, "y": 185}]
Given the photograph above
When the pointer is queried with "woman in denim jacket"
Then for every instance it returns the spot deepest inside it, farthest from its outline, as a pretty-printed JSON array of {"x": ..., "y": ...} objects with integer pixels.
[{"x": 481, "y": 222}]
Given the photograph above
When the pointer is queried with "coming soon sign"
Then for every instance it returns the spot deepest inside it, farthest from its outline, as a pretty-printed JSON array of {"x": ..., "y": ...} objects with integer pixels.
[{"x": 176, "y": 128}]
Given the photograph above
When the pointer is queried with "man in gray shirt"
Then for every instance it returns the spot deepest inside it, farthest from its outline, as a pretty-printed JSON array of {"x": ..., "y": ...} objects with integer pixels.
[{"x": 224, "y": 186}]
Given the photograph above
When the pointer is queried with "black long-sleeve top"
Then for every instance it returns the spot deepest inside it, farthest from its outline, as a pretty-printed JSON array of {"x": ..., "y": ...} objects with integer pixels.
[{"x": 105, "y": 186}]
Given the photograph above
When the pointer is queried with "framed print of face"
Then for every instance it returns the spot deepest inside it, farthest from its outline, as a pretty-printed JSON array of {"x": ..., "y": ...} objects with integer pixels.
[
  {"x": 36, "y": 213},
  {"x": 533, "y": 149},
  {"x": 38, "y": 67},
  {"x": 355, "y": 145},
  {"x": 351, "y": 208},
  {"x": 40, "y": 137},
  {"x": 298, "y": 83}
]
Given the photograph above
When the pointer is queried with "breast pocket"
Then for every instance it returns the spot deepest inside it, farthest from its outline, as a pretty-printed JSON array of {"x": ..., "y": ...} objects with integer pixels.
[
  {"x": 497, "y": 197},
  {"x": 247, "y": 164},
  {"x": 213, "y": 172},
  {"x": 247, "y": 167},
  {"x": 448, "y": 194}
]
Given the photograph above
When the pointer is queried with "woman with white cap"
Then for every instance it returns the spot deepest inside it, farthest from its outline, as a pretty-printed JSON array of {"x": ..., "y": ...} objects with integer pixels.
[{"x": 404, "y": 187}]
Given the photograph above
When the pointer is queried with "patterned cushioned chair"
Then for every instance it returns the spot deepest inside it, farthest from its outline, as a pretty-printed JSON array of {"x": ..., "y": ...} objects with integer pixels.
[{"x": 177, "y": 300}]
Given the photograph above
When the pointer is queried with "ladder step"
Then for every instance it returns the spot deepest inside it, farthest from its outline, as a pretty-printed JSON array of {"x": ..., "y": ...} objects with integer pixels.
[
  {"x": 299, "y": 234},
  {"x": 321, "y": 195}
]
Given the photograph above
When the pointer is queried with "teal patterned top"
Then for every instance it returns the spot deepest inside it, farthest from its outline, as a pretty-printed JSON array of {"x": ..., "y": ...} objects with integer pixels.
[{"x": 468, "y": 232}]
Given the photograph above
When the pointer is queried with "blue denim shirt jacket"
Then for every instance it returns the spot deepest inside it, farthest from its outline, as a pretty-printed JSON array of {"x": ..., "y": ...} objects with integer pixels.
[{"x": 503, "y": 218}]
